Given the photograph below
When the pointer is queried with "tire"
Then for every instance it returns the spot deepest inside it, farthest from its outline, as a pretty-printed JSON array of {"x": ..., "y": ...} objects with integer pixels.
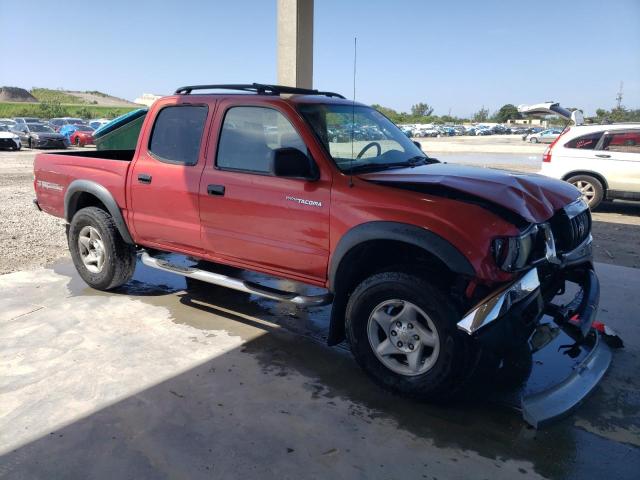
[
  {"x": 431, "y": 378},
  {"x": 78, "y": 142},
  {"x": 30, "y": 143},
  {"x": 534, "y": 140},
  {"x": 590, "y": 187},
  {"x": 101, "y": 240}
]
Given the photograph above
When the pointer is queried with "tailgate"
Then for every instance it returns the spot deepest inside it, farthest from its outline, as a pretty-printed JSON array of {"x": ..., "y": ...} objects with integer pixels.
[{"x": 552, "y": 108}]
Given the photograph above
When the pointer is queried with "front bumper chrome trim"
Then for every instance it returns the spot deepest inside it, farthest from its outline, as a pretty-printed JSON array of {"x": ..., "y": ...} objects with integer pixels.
[{"x": 500, "y": 302}]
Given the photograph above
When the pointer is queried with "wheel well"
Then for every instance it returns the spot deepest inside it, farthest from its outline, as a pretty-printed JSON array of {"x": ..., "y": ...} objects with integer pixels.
[
  {"x": 597, "y": 176},
  {"x": 374, "y": 256},
  {"x": 82, "y": 200}
]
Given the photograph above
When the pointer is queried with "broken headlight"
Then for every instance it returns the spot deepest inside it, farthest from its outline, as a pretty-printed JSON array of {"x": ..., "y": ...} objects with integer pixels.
[{"x": 513, "y": 253}]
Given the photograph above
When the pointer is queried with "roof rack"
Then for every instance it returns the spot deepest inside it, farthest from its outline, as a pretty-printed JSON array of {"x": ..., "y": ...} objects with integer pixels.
[{"x": 258, "y": 88}]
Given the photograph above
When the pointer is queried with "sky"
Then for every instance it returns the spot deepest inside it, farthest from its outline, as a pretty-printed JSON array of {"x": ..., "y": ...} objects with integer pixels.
[{"x": 456, "y": 56}]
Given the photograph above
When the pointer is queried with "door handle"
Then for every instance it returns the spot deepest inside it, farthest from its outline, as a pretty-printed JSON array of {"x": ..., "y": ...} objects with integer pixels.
[
  {"x": 215, "y": 189},
  {"x": 603, "y": 156},
  {"x": 144, "y": 178}
]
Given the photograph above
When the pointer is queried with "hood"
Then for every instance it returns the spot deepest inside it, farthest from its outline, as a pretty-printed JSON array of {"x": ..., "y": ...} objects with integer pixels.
[
  {"x": 533, "y": 197},
  {"x": 48, "y": 135}
]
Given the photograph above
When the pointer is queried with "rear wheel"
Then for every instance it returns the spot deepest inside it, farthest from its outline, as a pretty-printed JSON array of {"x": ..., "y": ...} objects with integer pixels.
[
  {"x": 402, "y": 332},
  {"x": 103, "y": 259},
  {"x": 534, "y": 140},
  {"x": 590, "y": 188}
]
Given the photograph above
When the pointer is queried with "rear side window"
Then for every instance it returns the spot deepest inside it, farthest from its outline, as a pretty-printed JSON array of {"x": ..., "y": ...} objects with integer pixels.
[
  {"x": 585, "y": 142},
  {"x": 250, "y": 134},
  {"x": 625, "y": 142},
  {"x": 177, "y": 133}
]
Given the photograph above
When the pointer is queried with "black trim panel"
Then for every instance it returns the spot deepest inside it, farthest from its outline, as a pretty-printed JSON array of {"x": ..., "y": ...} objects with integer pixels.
[{"x": 72, "y": 196}]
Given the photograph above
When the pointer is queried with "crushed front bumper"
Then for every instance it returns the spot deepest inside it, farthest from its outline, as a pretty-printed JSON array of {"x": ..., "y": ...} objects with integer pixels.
[{"x": 561, "y": 358}]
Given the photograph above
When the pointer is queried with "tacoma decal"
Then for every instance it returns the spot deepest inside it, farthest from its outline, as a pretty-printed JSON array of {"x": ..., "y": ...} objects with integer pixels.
[
  {"x": 50, "y": 186},
  {"x": 302, "y": 201}
]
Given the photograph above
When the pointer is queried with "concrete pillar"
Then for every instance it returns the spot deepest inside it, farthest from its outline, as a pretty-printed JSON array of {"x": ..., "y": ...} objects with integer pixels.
[{"x": 295, "y": 43}]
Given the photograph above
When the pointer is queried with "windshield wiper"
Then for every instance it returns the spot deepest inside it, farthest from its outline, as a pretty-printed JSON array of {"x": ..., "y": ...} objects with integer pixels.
[{"x": 411, "y": 162}]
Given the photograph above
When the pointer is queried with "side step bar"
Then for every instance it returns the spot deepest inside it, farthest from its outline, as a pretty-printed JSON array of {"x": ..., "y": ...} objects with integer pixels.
[{"x": 237, "y": 284}]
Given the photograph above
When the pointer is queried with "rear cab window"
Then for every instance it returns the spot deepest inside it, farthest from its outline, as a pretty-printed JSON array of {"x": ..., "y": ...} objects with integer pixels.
[{"x": 177, "y": 134}]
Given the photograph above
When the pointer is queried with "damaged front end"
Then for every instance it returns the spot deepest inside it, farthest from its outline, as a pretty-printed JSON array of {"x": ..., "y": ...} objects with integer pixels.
[{"x": 544, "y": 319}]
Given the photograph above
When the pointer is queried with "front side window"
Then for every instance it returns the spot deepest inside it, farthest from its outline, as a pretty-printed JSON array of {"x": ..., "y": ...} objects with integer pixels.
[
  {"x": 585, "y": 142},
  {"x": 249, "y": 136},
  {"x": 625, "y": 142},
  {"x": 177, "y": 134},
  {"x": 359, "y": 137}
]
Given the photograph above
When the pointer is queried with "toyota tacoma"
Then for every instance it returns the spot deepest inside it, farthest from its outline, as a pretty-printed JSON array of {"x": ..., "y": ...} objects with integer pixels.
[{"x": 428, "y": 266}]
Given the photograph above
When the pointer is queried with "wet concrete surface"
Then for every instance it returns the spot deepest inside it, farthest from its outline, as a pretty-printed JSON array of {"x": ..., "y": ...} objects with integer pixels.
[{"x": 160, "y": 381}]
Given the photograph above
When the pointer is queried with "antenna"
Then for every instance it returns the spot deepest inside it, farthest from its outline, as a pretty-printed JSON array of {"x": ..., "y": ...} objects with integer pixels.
[
  {"x": 353, "y": 109},
  {"x": 619, "y": 96}
]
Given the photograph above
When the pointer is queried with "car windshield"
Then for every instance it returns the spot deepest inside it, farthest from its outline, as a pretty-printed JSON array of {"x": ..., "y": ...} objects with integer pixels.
[
  {"x": 3, "y": 128},
  {"x": 361, "y": 138},
  {"x": 84, "y": 128},
  {"x": 35, "y": 127}
]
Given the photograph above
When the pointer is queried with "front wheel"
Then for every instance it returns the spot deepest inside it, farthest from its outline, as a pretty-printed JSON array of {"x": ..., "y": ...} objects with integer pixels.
[
  {"x": 101, "y": 257},
  {"x": 78, "y": 142},
  {"x": 534, "y": 140},
  {"x": 402, "y": 332}
]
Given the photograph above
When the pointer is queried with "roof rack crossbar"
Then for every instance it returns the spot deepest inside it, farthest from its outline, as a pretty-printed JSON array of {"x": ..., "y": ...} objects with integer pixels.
[{"x": 258, "y": 88}]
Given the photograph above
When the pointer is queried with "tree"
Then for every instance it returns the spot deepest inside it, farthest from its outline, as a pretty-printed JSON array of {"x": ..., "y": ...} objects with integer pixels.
[
  {"x": 421, "y": 110},
  {"x": 481, "y": 115},
  {"x": 507, "y": 112}
]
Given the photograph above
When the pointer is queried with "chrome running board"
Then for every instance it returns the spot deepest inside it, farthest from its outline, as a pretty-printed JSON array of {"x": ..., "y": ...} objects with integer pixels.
[{"x": 237, "y": 284}]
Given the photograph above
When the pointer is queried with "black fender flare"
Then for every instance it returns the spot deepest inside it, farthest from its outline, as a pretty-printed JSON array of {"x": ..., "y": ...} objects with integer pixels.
[
  {"x": 383, "y": 230},
  {"x": 72, "y": 196}
]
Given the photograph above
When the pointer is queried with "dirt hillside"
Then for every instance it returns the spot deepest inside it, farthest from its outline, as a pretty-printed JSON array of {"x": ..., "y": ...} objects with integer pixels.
[{"x": 15, "y": 94}]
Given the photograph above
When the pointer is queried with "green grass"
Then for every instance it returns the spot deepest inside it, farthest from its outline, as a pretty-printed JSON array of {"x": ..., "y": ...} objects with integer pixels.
[
  {"x": 48, "y": 95},
  {"x": 19, "y": 109}
]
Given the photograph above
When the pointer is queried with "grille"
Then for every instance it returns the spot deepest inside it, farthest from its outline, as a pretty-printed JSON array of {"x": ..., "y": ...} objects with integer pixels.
[{"x": 569, "y": 233}]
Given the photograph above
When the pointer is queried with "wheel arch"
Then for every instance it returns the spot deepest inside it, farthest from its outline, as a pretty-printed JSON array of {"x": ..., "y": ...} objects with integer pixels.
[
  {"x": 371, "y": 246},
  {"x": 85, "y": 193},
  {"x": 589, "y": 173}
]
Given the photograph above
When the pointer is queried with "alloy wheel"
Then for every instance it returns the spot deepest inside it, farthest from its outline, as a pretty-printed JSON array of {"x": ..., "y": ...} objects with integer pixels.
[
  {"x": 403, "y": 337},
  {"x": 587, "y": 190},
  {"x": 91, "y": 247}
]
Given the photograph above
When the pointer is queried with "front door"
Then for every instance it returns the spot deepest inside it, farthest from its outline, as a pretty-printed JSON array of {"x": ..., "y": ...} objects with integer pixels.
[
  {"x": 252, "y": 218},
  {"x": 165, "y": 177}
]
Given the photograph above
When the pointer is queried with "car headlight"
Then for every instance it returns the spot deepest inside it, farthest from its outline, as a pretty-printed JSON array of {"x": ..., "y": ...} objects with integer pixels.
[{"x": 513, "y": 253}]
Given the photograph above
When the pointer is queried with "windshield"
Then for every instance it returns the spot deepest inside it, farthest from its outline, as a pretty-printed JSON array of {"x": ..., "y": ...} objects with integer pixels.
[
  {"x": 35, "y": 127},
  {"x": 84, "y": 128},
  {"x": 377, "y": 142}
]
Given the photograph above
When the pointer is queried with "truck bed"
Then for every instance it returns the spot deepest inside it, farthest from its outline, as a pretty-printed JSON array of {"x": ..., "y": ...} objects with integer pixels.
[{"x": 54, "y": 172}]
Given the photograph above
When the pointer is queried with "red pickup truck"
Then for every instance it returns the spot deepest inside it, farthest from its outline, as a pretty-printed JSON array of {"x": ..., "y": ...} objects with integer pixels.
[{"x": 427, "y": 265}]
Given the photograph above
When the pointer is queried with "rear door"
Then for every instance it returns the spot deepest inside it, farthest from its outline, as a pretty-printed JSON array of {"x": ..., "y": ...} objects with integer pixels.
[
  {"x": 252, "y": 218},
  {"x": 619, "y": 153},
  {"x": 165, "y": 178}
]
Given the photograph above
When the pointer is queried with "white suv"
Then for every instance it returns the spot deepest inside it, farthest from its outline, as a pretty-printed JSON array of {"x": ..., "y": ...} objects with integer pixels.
[{"x": 602, "y": 161}]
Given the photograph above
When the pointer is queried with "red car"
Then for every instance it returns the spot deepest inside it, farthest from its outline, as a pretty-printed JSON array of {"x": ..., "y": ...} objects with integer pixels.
[
  {"x": 82, "y": 136},
  {"x": 429, "y": 267}
]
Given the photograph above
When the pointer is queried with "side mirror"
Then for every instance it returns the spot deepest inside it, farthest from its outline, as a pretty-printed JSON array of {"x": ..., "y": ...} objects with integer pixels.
[
  {"x": 292, "y": 163},
  {"x": 418, "y": 144}
]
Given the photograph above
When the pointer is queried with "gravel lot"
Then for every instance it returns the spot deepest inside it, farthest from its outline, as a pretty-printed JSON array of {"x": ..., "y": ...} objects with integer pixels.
[{"x": 30, "y": 239}]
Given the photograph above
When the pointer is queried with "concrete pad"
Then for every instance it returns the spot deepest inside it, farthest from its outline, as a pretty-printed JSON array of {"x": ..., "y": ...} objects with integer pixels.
[{"x": 154, "y": 381}]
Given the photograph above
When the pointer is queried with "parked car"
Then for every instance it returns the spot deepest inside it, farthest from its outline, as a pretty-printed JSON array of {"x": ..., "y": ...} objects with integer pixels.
[
  {"x": 97, "y": 123},
  {"x": 427, "y": 265},
  {"x": 602, "y": 161},
  {"x": 83, "y": 135},
  {"x": 38, "y": 135},
  {"x": 58, "y": 123},
  {"x": 545, "y": 136},
  {"x": 483, "y": 131},
  {"x": 7, "y": 122},
  {"x": 23, "y": 120},
  {"x": 8, "y": 139}
]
